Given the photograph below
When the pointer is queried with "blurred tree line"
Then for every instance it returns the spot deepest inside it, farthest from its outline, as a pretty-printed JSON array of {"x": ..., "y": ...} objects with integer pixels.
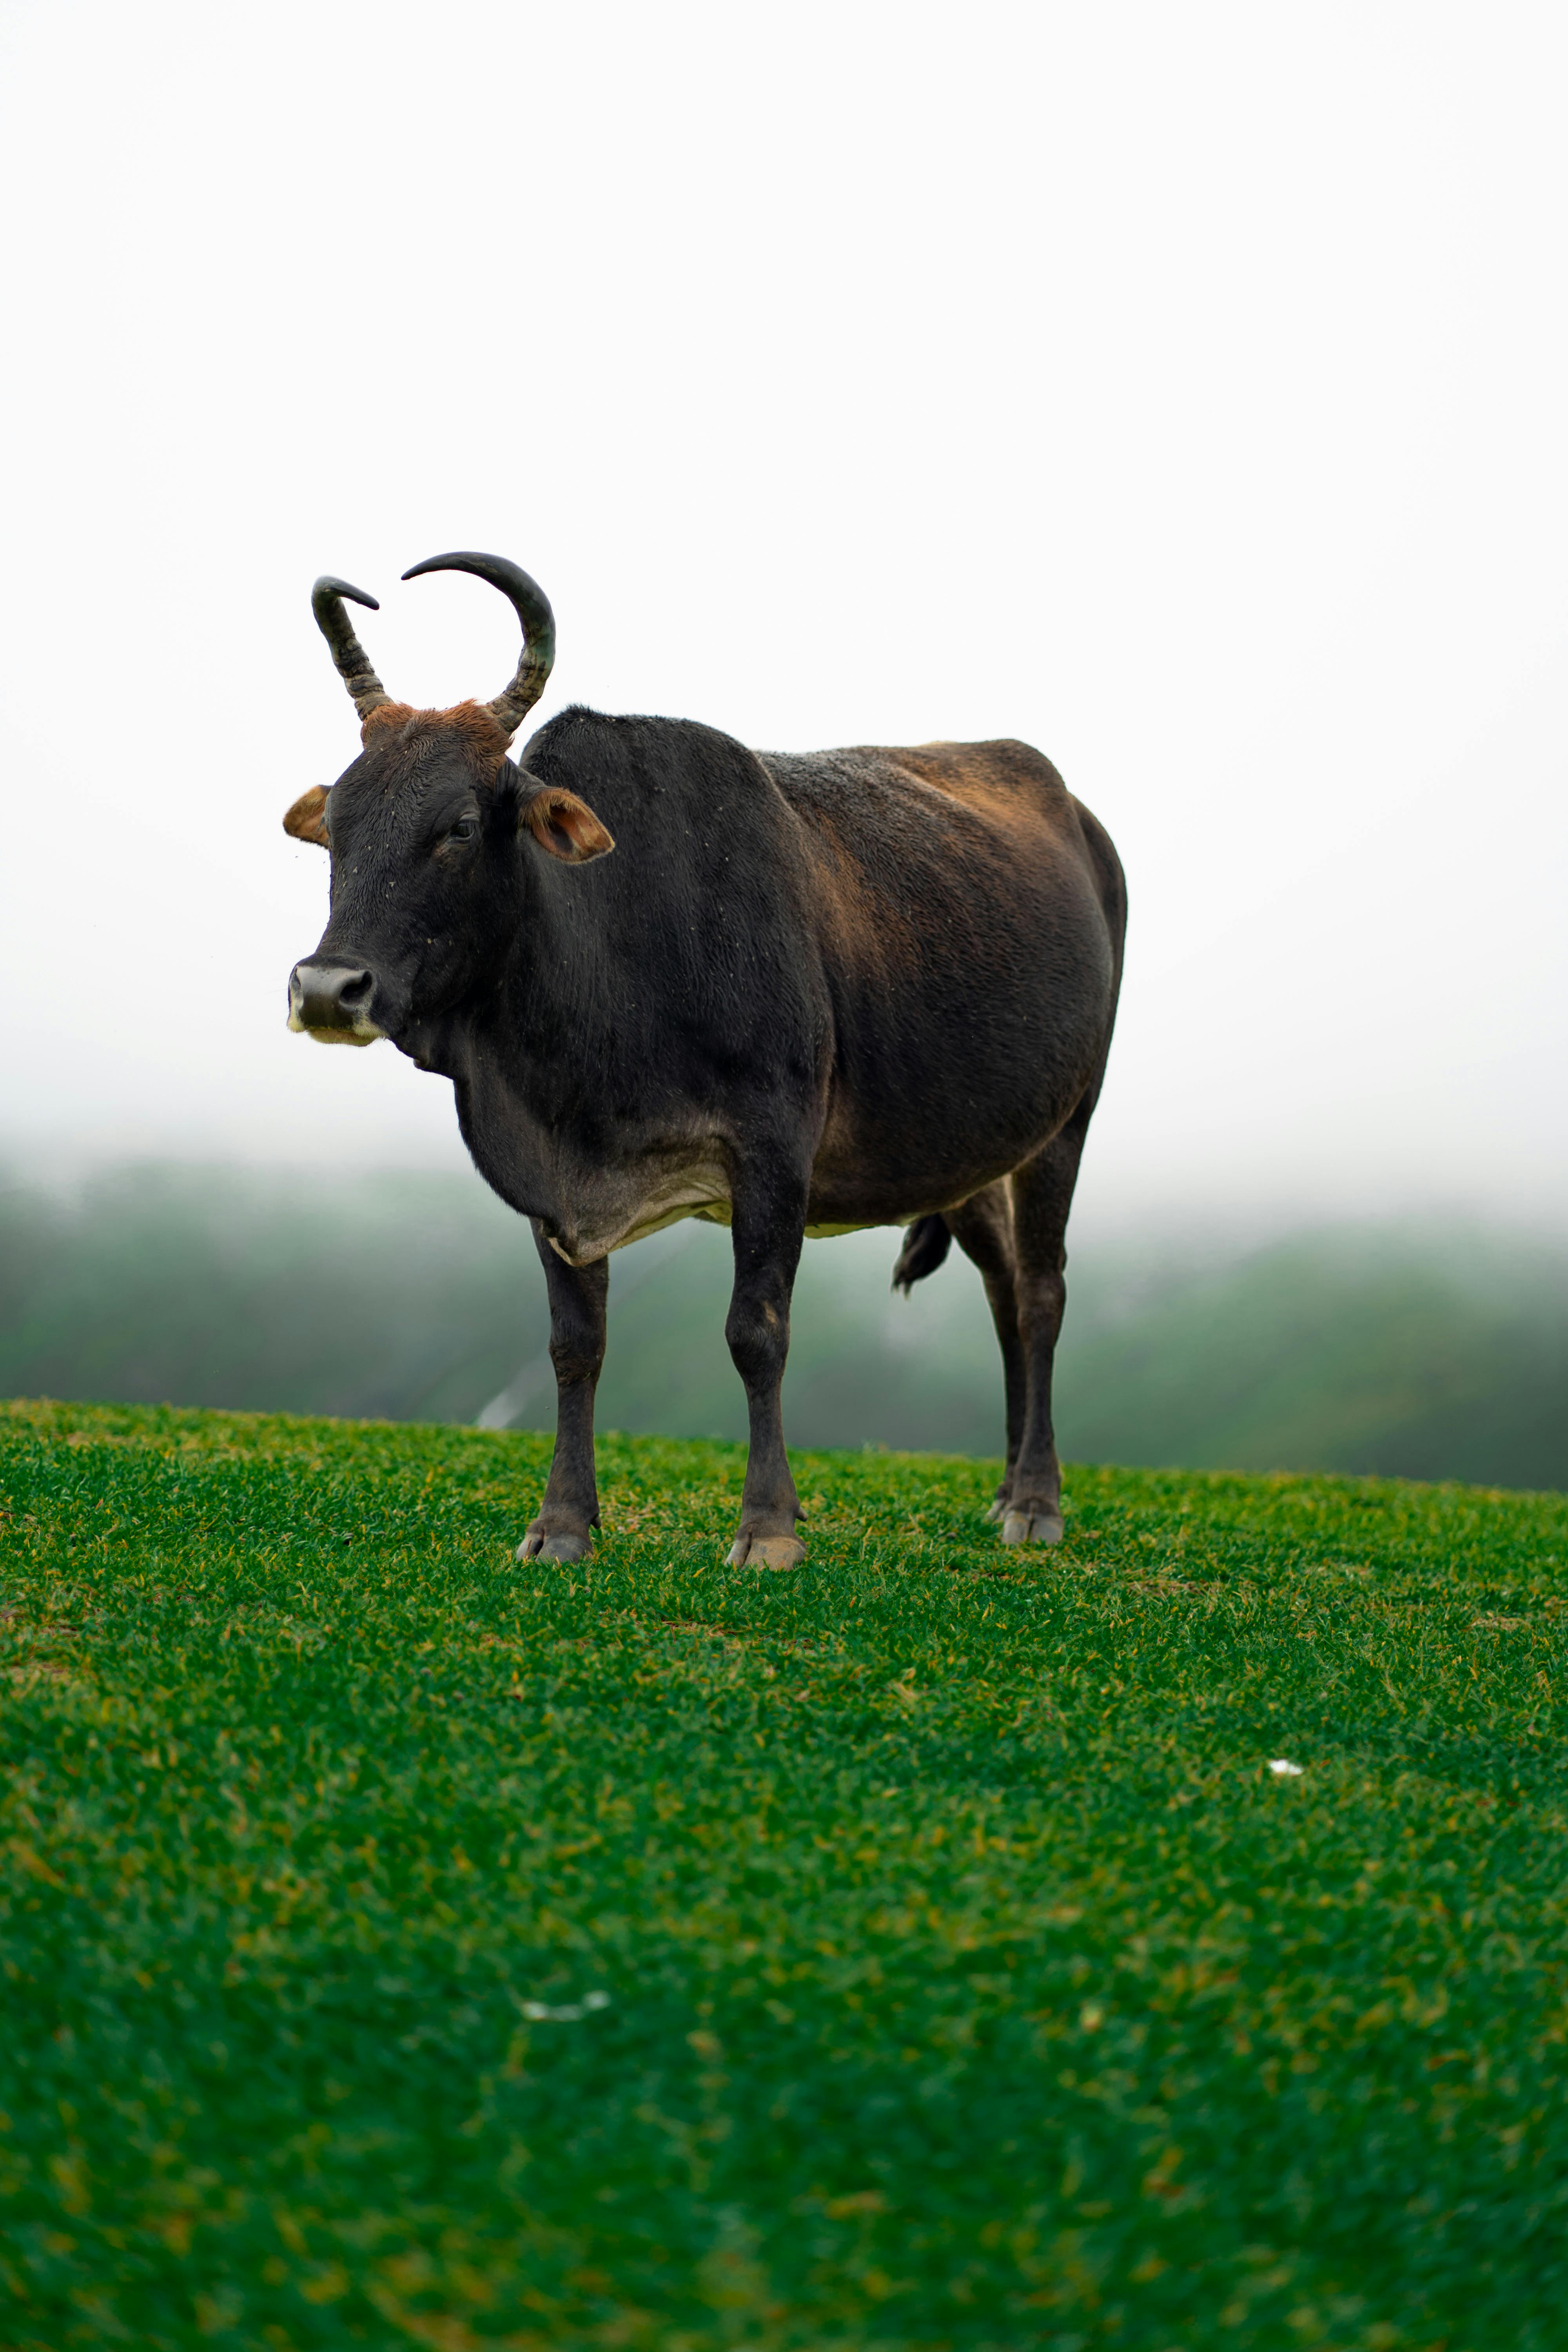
[{"x": 1425, "y": 1352}]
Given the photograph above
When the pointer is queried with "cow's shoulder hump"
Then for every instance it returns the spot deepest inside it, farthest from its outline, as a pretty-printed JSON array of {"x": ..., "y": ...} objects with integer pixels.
[{"x": 633, "y": 759}]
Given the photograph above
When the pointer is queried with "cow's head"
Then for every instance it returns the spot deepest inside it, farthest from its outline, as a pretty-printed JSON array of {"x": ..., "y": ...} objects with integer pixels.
[{"x": 425, "y": 832}]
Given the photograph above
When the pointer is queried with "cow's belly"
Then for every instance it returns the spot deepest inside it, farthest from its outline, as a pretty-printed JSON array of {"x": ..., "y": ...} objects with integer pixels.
[
  {"x": 859, "y": 1180},
  {"x": 614, "y": 1209}
]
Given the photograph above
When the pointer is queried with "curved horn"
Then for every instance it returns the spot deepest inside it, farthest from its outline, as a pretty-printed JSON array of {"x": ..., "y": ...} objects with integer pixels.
[
  {"x": 352, "y": 661},
  {"x": 532, "y": 606}
]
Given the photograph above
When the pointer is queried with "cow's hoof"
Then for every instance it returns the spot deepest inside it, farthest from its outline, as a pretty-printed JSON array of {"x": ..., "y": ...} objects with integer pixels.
[
  {"x": 996, "y": 1509},
  {"x": 536, "y": 1545},
  {"x": 1032, "y": 1527},
  {"x": 766, "y": 1551}
]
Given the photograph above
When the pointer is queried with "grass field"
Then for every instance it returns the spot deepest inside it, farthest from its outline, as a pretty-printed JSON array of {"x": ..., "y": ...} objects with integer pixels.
[{"x": 403, "y": 1948}]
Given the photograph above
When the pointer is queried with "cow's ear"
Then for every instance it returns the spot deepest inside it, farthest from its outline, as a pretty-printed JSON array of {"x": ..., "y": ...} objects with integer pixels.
[
  {"x": 307, "y": 820},
  {"x": 564, "y": 825}
]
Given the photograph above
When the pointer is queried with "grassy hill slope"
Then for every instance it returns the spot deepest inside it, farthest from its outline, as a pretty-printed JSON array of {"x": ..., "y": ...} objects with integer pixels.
[{"x": 403, "y": 1947}]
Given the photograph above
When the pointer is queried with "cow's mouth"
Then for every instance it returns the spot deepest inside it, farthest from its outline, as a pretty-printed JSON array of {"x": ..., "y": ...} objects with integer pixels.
[{"x": 330, "y": 1003}]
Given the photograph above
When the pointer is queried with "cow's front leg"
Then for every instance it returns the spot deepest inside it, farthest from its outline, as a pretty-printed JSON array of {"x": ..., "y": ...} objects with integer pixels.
[
  {"x": 570, "y": 1511},
  {"x": 768, "y": 1228}
]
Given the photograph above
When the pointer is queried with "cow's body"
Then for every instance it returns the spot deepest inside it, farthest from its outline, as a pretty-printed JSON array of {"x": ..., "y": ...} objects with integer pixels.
[
  {"x": 897, "y": 967},
  {"x": 806, "y": 993}
]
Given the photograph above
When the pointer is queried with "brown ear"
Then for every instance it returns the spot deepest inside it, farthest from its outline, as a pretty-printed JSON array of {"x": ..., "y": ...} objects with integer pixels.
[
  {"x": 307, "y": 820},
  {"x": 566, "y": 827}
]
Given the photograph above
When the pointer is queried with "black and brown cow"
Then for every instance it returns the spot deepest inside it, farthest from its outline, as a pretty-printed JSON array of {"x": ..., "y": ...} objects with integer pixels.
[{"x": 808, "y": 992}]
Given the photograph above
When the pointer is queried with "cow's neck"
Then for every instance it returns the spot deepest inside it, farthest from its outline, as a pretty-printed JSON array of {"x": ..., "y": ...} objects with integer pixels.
[{"x": 531, "y": 1063}]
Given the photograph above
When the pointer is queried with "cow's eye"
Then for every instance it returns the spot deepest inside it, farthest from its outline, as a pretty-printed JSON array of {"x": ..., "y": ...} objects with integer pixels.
[{"x": 465, "y": 829}]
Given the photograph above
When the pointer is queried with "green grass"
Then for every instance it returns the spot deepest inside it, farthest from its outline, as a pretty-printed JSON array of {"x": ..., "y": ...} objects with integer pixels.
[{"x": 403, "y": 1948}]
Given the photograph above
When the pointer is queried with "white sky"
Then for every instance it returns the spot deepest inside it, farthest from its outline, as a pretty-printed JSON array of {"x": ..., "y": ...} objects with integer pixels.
[{"x": 1182, "y": 389}]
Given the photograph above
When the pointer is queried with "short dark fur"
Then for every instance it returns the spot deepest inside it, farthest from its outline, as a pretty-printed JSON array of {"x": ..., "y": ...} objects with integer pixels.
[{"x": 871, "y": 986}]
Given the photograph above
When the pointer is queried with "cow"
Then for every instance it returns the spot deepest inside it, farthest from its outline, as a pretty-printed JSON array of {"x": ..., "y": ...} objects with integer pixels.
[{"x": 806, "y": 992}]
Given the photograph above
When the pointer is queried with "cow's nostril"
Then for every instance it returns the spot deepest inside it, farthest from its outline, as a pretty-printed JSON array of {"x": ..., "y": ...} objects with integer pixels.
[{"x": 323, "y": 997}]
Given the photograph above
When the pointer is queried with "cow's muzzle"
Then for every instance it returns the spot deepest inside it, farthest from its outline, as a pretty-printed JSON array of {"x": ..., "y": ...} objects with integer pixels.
[{"x": 330, "y": 1001}]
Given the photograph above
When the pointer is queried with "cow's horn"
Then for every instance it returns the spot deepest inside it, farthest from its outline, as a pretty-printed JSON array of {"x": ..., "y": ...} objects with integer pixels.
[
  {"x": 352, "y": 661},
  {"x": 532, "y": 606}
]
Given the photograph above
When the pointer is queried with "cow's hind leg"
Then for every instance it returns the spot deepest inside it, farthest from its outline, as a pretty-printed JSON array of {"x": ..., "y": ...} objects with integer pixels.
[
  {"x": 570, "y": 1511},
  {"x": 768, "y": 1229},
  {"x": 1042, "y": 1195},
  {"x": 982, "y": 1228}
]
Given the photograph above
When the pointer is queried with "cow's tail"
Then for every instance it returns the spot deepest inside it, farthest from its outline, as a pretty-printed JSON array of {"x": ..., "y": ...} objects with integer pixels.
[{"x": 926, "y": 1244}]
